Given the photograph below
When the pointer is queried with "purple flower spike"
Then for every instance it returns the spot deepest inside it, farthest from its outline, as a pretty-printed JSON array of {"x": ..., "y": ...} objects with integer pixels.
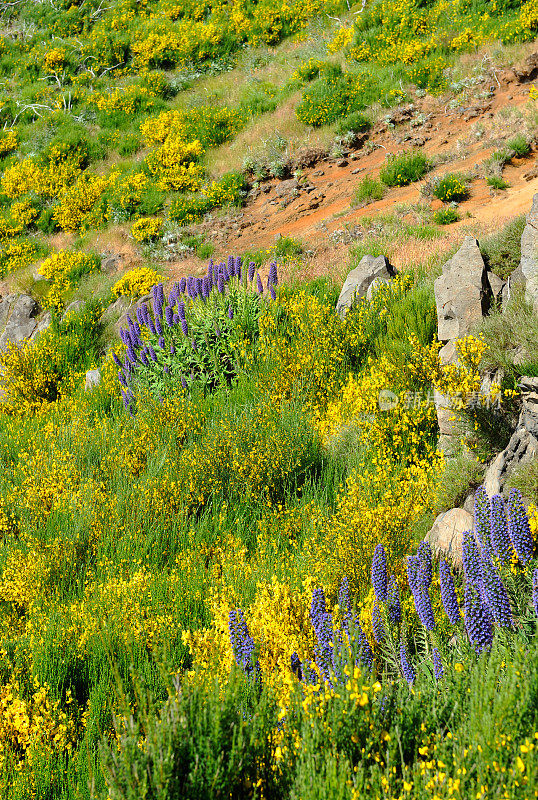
[
  {"x": 272, "y": 291},
  {"x": 377, "y": 626},
  {"x": 518, "y": 526},
  {"x": 273, "y": 274},
  {"x": 425, "y": 572},
  {"x": 477, "y": 620},
  {"x": 259, "y": 285},
  {"x": 140, "y": 316},
  {"x": 206, "y": 288},
  {"x": 169, "y": 316},
  {"x": 500, "y": 538},
  {"x": 251, "y": 271},
  {"x": 494, "y": 594},
  {"x": 220, "y": 284},
  {"x": 181, "y": 310},
  {"x": 366, "y": 656},
  {"x": 535, "y": 590},
  {"x": 172, "y": 349},
  {"x": 482, "y": 520},
  {"x": 437, "y": 664},
  {"x": 144, "y": 359},
  {"x": 230, "y": 312},
  {"x": 182, "y": 285},
  {"x": 152, "y": 353},
  {"x": 158, "y": 327},
  {"x": 121, "y": 377},
  {"x": 117, "y": 360},
  {"x": 184, "y": 328},
  {"x": 393, "y": 601},
  {"x": 175, "y": 319},
  {"x": 242, "y": 643},
  {"x": 323, "y": 628},
  {"x": 131, "y": 355},
  {"x": 225, "y": 274},
  {"x": 151, "y": 325},
  {"x": 423, "y": 603},
  {"x": 407, "y": 667},
  {"x": 471, "y": 560},
  {"x": 379, "y": 573},
  {"x": 448, "y": 593},
  {"x": 161, "y": 343}
]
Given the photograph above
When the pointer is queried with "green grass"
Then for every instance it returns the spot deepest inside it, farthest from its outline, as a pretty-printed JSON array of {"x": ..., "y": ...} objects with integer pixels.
[
  {"x": 400, "y": 170},
  {"x": 368, "y": 191}
]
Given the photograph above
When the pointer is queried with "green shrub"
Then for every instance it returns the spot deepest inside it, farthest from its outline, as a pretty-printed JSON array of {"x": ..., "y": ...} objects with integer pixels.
[
  {"x": 445, "y": 216},
  {"x": 188, "y": 208},
  {"x": 287, "y": 247},
  {"x": 502, "y": 250},
  {"x": 368, "y": 191},
  {"x": 129, "y": 145},
  {"x": 400, "y": 170},
  {"x": 357, "y": 122},
  {"x": 330, "y": 98},
  {"x": 518, "y": 146},
  {"x": 451, "y": 188},
  {"x": 497, "y": 183}
]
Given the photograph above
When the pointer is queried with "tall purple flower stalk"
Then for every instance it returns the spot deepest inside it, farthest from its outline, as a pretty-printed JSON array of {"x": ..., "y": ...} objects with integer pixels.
[
  {"x": 437, "y": 664},
  {"x": 499, "y": 536},
  {"x": 242, "y": 643},
  {"x": 322, "y": 623},
  {"x": 482, "y": 519},
  {"x": 393, "y": 601},
  {"x": 419, "y": 590},
  {"x": 425, "y": 569},
  {"x": 471, "y": 560},
  {"x": 518, "y": 526},
  {"x": 535, "y": 590},
  {"x": 477, "y": 620},
  {"x": 379, "y": 573},
  {"x": 494, "y": 594},
  {"x": 406, "y": 664},
  {"x": 448, "y": 593},
  {"x": 377, "y": 626}
]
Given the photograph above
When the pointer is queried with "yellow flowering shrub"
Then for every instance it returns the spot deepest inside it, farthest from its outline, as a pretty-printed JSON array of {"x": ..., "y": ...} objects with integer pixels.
[
  {"x": 31, "y": 725},
  {"x": 146, "y": 228},
  {"x": 78, "y": 200},
  {"x": 174, "y": 165},
  {"x": 55, "y": 59},
  {"x": 62, "y": 269},
  {"x": 340, "y": 40},
  {"x": 9, "y": 141},
  {"x": 16, "y": 254},
  {"x": 137, "y": 282},
  {"x": 29, "y": 176}
]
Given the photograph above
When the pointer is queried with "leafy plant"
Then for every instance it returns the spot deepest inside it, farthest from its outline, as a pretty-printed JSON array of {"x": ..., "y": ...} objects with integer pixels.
[
  {"x": 400, "y": 170},
  {"x": 451, "y": 188},
  {"x": 445, "y": 216},
  {"x": 368, "y": 191}
]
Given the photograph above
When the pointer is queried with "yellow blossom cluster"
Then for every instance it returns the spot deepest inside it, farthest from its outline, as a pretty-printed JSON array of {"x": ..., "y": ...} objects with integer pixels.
[
  {"x": 146, "y": 228},
  {"x": 137, "y": 282},
  {"x": 61, "y": 269},
  {"x": 9, "y": 141}
]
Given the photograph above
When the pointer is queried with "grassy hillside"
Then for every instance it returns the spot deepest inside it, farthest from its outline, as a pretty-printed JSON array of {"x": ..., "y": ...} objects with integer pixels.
[{"x": 205, "y": 588}]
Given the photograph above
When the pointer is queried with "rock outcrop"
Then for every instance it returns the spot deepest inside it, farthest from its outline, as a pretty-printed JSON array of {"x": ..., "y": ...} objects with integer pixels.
[
  {"x": 360, "y": 279},
  {"x": 523, "y": 444},
  {"x": 527, "y": 272},
  {"x": 18, "y": 321},
  {"x": 446, "y": 534}
]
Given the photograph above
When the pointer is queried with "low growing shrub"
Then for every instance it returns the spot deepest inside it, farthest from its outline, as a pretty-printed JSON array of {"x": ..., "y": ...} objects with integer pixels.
[
  {"x": 400, "y": 170},
  {"x": 445, "y": 216},
  {"x": 451, "y": 188},
  {"x": 368, "y": 191}
]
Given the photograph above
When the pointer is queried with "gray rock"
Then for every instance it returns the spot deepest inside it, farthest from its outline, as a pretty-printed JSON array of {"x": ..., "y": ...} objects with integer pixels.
[
  {"x": 17, "y": 319},
  {"x": 462, "y": 292},
  {"x": 73, "y": 308},
  {"x": 497, "y": 288},
  {"x": 529, "y": 412},
  {"x": 522, "y": 448},
  {"x": 110, "y": 262},
  {"x": 446, "y": 534},
  {"x": 529, "y": 254},
  {"x": 93, "y": 379},
  {"x": 359, "y": 280},
  {"x": 44, "y": 322},
  {"x": 284, "y": 188},
  {"x": 116, "y": 309}
]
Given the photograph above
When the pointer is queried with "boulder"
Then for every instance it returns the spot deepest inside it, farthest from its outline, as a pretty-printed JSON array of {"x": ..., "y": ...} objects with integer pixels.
[
  {"x": 462, "y": 292},
  {"x": 110, "y": 262},
  {"x": 117, "y": 309},
  {"x": 44, "y": 322},
  {"x": 73, "y": 308},
  {"x": 529, "y": 255},
  {"x": 358, "y": 281},
  {"x": 446, "y": 534},
  {"x": 522, "y": 448},
  {"x": 17, "y": 318}
]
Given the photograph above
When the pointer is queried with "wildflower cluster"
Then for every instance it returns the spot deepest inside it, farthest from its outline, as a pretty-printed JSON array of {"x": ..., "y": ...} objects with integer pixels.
[{"x": 137, "y": 282}]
